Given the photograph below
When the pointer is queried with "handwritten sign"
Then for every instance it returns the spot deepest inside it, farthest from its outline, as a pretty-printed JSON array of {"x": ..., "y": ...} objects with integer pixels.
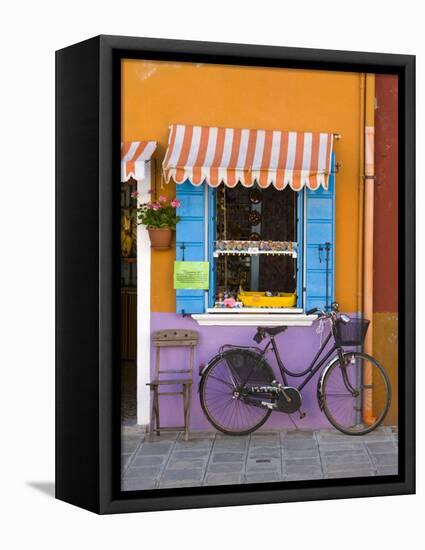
[{"x": 191, "y": 275}]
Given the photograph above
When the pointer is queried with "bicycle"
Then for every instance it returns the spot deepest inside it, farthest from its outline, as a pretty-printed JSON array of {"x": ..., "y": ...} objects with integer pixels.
[{"x": 239, "y": 389}]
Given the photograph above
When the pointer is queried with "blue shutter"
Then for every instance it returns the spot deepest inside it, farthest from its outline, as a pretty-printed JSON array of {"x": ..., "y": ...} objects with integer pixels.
[
  {"x": 320, "y": 244},
  {"x": 212, "y": 211},
  {"x": 300, "y": 231},
  {"x": 190, "y": 241}
]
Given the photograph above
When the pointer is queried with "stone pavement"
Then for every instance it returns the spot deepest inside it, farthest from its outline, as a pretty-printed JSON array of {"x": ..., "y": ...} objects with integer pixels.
[{"x": 217, "y": 459}]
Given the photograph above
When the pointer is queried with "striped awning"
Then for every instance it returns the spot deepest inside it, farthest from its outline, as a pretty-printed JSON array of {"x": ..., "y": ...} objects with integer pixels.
[
  {"x": 134, "y": 155},
  {"x": 235, "y": 155}
]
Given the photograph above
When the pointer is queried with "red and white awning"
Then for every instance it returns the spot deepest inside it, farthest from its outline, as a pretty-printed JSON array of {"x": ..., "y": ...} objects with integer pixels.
[
  {"x": 233, "y": 155},
  {"x": 134, "y": 155}
]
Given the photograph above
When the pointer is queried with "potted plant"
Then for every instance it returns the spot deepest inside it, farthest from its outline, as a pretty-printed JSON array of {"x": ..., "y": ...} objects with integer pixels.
[{"x": 160, "y": 219}]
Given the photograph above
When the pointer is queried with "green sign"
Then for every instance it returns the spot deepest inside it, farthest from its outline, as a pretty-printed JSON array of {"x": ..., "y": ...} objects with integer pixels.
[{"x": 191, "y": 275}]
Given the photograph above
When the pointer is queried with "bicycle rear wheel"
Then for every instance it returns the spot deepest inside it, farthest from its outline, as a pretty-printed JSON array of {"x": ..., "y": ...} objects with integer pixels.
[
  {"x": 220, "y": 392},
  {"x": 356, "y": 395}
]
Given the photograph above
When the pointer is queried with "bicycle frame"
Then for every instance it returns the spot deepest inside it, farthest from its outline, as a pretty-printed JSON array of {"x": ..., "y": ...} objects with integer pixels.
[{"x": 311, "y": 370}]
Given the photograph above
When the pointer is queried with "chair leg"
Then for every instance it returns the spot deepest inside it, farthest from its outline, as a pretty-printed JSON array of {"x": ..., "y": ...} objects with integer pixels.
[
  {"x": 152, "y": 419},
  {"x": 189, "y": 405},
  {"x": 186, "y": 407},
  {"x": 157, "y": 411}
]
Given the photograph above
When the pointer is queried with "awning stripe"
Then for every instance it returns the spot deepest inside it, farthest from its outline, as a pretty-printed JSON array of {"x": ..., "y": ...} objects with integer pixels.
[
  {"x": 134, "y": 155},
  {"x": 233, "y": 155}
]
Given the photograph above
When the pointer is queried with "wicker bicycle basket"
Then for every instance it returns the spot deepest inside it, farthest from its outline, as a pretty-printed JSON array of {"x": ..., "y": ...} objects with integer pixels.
[{"x": 352, "y": 333}]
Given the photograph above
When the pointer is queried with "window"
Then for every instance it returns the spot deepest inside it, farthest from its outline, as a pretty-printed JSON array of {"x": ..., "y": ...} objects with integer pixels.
[{"x": 255, "y": 249}]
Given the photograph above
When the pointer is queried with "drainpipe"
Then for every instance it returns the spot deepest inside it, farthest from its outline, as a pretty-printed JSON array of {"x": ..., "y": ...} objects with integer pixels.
[
  {"x": 362, "y": 124},
  {"x": 369, "y": 184}
]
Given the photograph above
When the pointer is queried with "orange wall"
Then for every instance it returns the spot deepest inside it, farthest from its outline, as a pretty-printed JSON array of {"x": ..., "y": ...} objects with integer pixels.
[{"x": 157, "y": 94}]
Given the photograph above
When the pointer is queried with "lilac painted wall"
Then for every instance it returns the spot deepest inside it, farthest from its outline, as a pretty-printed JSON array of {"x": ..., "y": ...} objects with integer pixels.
[{"x": 297, "y": 346}]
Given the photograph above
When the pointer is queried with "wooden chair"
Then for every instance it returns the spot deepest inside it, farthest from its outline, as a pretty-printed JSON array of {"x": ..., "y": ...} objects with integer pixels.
[{"x": 168, "y": 339}]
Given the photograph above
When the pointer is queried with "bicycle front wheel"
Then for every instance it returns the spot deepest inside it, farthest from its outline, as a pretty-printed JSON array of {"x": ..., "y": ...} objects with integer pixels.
[
  {"x": 356, "y": 394},
  {"x": 222, "y": 387}
]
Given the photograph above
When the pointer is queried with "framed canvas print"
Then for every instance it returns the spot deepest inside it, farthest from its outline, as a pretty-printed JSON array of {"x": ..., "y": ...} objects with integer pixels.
[{"x": 235, "y": 274}]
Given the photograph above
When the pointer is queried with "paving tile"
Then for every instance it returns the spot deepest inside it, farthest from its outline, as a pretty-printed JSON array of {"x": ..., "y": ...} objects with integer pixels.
[
  {"x": 264, "y": 452},
  {"x": 348, "y": 467},
  {"x": 231, "y": 445},
  {"x": 259, "y": 477},
  {"x": 129, "y": 446},
  {"x": 299, "y": 444},
  {"x": 347, "y": 459},
  {"x": 227, "y": 457},
  {"x": 193, "y": 474},
  {"x": 197, "y": 453},
  {"x": 149, "y": 472},
  {"x": 303, "y": 471},
  {"x": 154, "y": 449},
  {"x": 193, "y": 436},
  {"x": 352, "y": 473},
  {"x": 258, "y": 465},
  {"x": 327, "y": 450},
  {"x": 137, "y": 484},
  {"x": 387, "y": 470},
  {"x": 292, "y": 463},
  {"x": 291, "y": 454},
  {"x": 264, "y": 441},
  {"x": 194, "y": 444},
  {"x": 226, "y": 467},
  {"x": 385, "y": 459},
  {"x": 144, "y": 461},
  {"x": 381, "y": 447},
  {"x": 299, "y": 434},
  {"x": 185, "y": 463},
  {"x": 179, "y": 484},
  {"x": 224, "y": 479},
  {"x": 305, "y": 476}
]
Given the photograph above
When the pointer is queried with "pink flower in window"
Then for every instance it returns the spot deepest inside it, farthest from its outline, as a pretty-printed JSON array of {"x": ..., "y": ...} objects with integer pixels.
[
  {"x": 162, "y": 198},
  {"x": 175, "y": 203},
  {"x": 156, "y": 206},
  {"x": 134, "y": 194}
]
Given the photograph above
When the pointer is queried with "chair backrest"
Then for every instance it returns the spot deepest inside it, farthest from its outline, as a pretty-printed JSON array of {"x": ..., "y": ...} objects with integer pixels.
[{"x": 170, "y": 338}]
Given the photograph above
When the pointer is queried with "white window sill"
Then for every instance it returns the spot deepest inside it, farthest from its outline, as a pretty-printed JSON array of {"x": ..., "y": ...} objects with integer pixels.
[{"x": 254, "y": 319}]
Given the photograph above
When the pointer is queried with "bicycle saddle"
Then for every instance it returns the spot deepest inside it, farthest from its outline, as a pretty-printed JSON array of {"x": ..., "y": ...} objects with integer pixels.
[{"x": 272, "y": 331}]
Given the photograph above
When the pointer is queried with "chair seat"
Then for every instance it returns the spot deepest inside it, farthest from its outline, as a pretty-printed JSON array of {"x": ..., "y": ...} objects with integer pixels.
[{"x": 170, "y": 382}]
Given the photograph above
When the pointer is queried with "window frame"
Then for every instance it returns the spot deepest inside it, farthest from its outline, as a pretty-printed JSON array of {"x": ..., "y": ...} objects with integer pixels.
[{"x": 210, "y": 222}]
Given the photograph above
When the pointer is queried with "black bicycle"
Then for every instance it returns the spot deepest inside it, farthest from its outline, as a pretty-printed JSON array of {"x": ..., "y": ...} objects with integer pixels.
[{"x": 239, "y": 389}]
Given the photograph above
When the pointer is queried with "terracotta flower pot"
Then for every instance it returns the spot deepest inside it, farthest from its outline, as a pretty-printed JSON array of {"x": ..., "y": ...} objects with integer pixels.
[{"x": 160, "y": 238}]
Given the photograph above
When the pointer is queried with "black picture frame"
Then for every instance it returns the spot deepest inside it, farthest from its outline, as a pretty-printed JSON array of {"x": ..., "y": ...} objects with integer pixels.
[{"x": 87, "y": 244}]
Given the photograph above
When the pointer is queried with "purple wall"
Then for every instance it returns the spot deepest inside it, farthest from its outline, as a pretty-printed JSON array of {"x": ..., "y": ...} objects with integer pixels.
[{"x": 297, "y": 346}]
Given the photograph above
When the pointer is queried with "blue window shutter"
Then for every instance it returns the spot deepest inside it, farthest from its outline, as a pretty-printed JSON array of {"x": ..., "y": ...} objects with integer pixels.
[
  {"x": 212, "y": 211},
  {"x": 190, "y": 241},
  {"x": 300, "y": 231},
  {"x": 320, "y": 245}
]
